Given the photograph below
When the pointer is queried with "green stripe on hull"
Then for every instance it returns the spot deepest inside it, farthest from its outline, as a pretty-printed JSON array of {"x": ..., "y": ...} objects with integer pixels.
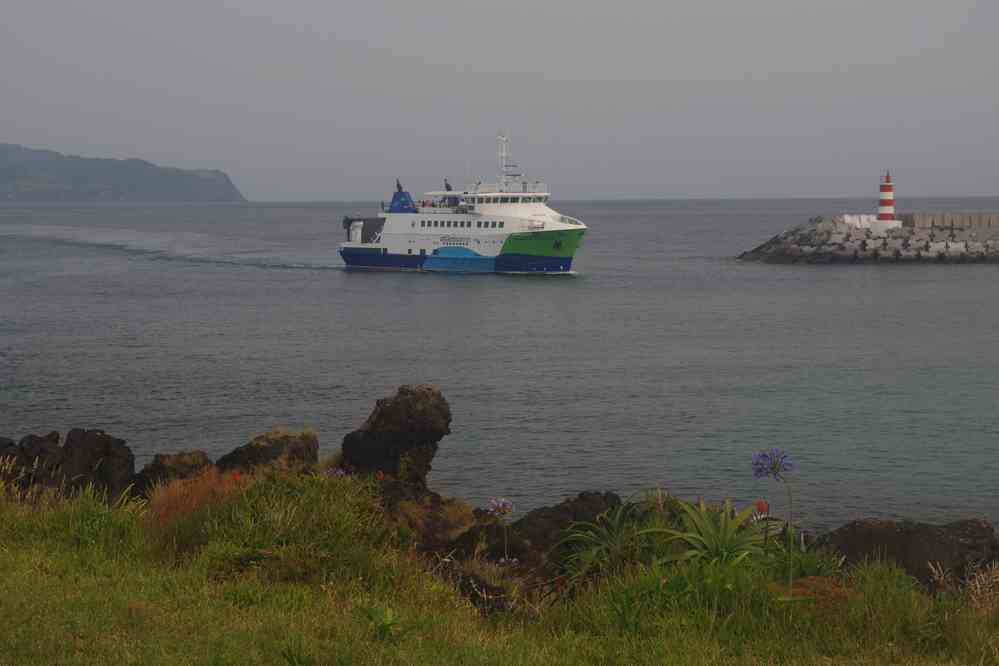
[{"x": 561, "y": 243}]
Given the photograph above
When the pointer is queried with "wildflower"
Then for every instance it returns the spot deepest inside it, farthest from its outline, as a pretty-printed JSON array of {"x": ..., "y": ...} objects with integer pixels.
[
  {"x": 558, "y": 584},
  {"x": 337, "y": 472},
  {"x": 379, "y": 475},
  {"x": 236, "y": 476},
  {"x": 775, "y": 463},
  {"x": 500, "y": 506},
  {"x": 762, "y": 507},
  {"x": 508, "y": 561}
]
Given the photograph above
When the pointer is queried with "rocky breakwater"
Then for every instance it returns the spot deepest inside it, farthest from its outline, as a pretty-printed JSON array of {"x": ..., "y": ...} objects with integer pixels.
[{"x": 929, "y": 237}]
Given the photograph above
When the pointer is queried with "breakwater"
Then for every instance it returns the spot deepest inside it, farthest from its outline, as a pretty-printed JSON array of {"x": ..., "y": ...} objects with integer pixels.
[{"x": 913, "y": 237}]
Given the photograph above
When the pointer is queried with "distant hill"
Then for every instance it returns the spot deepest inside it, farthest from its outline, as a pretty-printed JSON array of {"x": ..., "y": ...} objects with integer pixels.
[{"x": 28, "y": 175}]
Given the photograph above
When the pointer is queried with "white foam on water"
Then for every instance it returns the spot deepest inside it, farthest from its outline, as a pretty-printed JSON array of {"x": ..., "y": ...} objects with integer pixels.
[{"x": 174, "y": 245}]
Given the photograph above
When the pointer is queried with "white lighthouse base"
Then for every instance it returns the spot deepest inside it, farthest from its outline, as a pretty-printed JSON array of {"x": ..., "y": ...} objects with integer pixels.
[{"x": 870, "y": 222}]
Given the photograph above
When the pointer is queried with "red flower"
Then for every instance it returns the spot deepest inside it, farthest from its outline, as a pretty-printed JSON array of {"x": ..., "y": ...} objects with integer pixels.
[
  {"x": 559, "y": 584},
  {"x": 762, "y": 507},
  {"x": 236, "y": 476},
  {"x": 380, "y": 475}
]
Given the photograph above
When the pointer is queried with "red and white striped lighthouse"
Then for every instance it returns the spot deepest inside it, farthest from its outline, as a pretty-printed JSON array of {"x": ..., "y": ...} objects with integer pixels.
[{"x": 886, "y": 204}]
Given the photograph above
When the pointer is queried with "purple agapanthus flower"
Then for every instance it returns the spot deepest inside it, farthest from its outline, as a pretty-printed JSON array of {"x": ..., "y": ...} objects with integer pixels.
[
  {"x": 500, "y": 506},
  {"x": 336, "y": 472},
  {"x": 775, "y": 463}
]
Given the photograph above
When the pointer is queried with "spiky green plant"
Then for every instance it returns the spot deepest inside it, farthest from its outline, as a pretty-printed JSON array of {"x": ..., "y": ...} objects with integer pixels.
[
  {"x": 713, "y": 535},
  {"x": 607, "y": 544}
]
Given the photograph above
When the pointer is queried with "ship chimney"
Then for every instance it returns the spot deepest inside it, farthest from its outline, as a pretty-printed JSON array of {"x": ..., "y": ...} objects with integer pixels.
[{"x": 886, "y": 204}]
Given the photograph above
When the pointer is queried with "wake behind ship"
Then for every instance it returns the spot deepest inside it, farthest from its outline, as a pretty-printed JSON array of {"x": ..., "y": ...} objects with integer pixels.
[{"x": 502, "y": 227}]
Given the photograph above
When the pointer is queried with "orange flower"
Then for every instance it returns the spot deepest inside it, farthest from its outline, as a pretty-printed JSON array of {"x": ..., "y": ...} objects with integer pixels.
[
  {"x": 236, "y": 476},
  {"x": 762, "y": 507},
  {"x": 380, "y": 475}
]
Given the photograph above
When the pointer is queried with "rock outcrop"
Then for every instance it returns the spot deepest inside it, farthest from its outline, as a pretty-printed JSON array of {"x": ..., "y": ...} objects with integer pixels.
[
  {"x": 167, "y": 467},
  {"x": 8, "y": 449},
  {"x": 397, "y": 443},
  {"x": 289, "y": 450},
  {"x": 532, "y": 538},
  {"x": 95, "y": 457},
  {"x": 966, "y": 239},
  {"x": 433, "y": 522},
  {"x": 41, "y": 451},
  {"x": 401, "y": 435},
  {"x": 89, "y": 457},
  {"x": 954, "y": 546}
]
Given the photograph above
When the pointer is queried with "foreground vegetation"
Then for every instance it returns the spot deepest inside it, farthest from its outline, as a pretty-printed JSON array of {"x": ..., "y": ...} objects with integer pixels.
[{"x": 303, "y": 569}]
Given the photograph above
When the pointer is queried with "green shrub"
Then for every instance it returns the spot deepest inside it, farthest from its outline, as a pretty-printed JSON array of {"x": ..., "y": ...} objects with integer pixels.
[
  {"x": 606, "y": 545},
  {"x": 713, "y": 534}
]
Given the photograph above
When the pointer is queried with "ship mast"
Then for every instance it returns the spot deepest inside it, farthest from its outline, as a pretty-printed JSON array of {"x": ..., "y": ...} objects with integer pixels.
[{"x": 509, "y": 171}]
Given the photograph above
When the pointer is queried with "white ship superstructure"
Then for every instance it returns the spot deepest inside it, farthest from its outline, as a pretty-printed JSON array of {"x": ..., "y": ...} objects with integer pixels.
[{"x": 502, "y": 227}]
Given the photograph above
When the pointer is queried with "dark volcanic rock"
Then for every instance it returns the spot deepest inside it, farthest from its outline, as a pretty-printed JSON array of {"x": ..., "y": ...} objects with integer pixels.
[
  {"x": 39, "y": 458},
  {"x": 40, "y": 447},
  {"x": 8, "y": 448},
  {"x": 89, "y": 457},
  {"x": 95, "y": 457},
  {"x": 543, "y": 527},
  {"x": 401, "y": 435},
  {"x": 913, "y": 545},
  {"x": 434, "y": 521},
  {"x": 532, "y": 538},
  {"x": 284, "y": 449},
  {"x": 167, "y": 467}
]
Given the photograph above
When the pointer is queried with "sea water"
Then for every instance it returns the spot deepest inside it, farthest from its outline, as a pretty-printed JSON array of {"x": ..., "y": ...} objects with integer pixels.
[{"x": 663, "y": 363}]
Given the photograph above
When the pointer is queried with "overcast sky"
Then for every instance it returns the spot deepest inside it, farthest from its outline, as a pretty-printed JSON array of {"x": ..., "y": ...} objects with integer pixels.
[{"x": 332, "y": 100}]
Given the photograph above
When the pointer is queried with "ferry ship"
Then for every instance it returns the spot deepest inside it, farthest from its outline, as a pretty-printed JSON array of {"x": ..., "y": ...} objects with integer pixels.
[{"x": 502, "y": 227}]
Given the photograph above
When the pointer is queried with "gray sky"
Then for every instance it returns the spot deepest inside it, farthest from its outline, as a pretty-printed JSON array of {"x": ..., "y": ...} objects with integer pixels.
[{"x": 327, "y": 100}]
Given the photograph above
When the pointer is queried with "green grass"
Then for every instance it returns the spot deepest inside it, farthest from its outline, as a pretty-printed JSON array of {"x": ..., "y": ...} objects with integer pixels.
[{"x": 305, "y": 570}]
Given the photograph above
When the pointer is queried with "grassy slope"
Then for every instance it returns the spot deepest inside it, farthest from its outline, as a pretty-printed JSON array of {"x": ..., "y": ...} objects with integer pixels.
[{"x": 302, "y": 570}]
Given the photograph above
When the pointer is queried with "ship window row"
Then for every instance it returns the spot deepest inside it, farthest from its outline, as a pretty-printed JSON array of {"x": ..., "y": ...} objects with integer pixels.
[
  {"x": 505, "y": 200},
  {"x": 465, "y": 224}
]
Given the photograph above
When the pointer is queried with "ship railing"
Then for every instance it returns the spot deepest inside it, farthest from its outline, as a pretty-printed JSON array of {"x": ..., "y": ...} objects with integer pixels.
[
  {"x": 510, "y": 187},
  {"x": 565, "y": 219},
  {"x": 436, "y": 207}
]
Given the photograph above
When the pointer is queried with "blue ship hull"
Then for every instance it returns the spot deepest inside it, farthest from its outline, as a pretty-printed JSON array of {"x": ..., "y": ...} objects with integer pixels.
[{"x": 454, "y": 260}]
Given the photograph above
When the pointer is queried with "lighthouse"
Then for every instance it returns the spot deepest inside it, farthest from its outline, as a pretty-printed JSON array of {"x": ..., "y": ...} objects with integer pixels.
[{"x": 886, "y": 203}]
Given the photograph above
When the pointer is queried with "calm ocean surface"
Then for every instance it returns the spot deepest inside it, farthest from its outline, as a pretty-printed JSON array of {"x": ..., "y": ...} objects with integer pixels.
[{"x": 663, "y": 362}]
